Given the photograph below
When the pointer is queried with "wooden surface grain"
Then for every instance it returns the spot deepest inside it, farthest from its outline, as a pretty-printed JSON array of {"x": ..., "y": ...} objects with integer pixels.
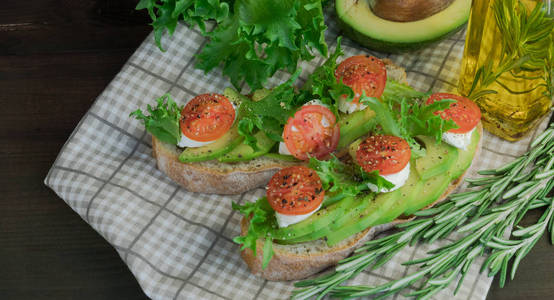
[{"x": 55, "y": 58}]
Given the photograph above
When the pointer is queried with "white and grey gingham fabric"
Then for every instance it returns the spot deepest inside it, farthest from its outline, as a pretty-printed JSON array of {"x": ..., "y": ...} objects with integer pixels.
[{"x": 177, "y": 243}]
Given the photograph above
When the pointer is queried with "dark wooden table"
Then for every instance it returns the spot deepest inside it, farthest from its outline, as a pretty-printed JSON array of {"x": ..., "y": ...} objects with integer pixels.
[{"x": 55, "y": 58}]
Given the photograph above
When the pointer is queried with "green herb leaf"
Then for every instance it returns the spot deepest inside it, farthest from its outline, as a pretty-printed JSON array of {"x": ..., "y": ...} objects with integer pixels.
[
  {"x": 422, "y": 120},
  {"x": 165, "y": 14},
  {"x": 252, "y": 39},
  {"x": 163, "y": 121},
  {"x": 403, "y": 113},
  {"x": 323, "y": 85},
  {"x": 386, "y": 117},
  {"x": 269, "y": 114},
  {"x": 267, "y": 252},
  {"x": 345, "y": 179},
  {"x": 261, "y": 219}
]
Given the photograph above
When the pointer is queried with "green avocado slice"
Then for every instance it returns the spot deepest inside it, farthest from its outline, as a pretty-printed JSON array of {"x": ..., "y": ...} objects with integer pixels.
[
  {"x": 244, "y": 152},
  {"x": 350, "y": 206},
  {"x": 430, "y": 191},
  {"x": 283, "y": 157},
  {"x": 368, "y": 217},
  {"x": 315, "y": 222},
  {"x": 355, "y": 125},
  {"x": 224, "y": 144},
  {"x": 432, "y": 188},
  {"x": 465, "y": 157},
  {"x": 360, "y": 24},
  {"x": 438, "y": 159}
]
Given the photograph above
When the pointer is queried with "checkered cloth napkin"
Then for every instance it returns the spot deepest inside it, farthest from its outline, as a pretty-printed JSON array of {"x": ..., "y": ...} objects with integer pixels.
[{"x": 178, "y": 244}]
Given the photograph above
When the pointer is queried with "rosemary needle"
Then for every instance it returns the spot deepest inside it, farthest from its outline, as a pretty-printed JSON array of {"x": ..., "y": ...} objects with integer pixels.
[{"x": 487, "y": 212}]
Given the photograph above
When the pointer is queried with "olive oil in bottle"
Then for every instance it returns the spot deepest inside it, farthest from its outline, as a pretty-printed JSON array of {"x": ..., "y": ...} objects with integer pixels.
[{"x": 507, "y": 63}]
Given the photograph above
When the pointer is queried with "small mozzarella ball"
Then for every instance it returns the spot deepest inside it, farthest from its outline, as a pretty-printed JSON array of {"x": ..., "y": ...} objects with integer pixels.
[
  {"x": 458, "y": 140},
  {"x": 286, "y": 220},
  {"x": 324, "y": 122},
  {"x": 235, "y": 108},
  {"x": 315, "y": 102},
  {"x": 283, "y": 149},
  {"x": 349, "y": 106},
  {"x": 398, "y": 179},
  {"x": 186, "y": 142}
]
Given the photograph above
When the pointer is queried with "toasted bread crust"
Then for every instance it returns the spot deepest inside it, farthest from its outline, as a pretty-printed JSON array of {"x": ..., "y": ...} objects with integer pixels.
[
  {"x": 288, "y": 264},
  {"x": 204, "y": 178}
]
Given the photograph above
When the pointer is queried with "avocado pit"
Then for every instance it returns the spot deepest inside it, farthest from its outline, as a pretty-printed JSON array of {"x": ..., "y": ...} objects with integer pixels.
[{"x": 407, "y": 10}]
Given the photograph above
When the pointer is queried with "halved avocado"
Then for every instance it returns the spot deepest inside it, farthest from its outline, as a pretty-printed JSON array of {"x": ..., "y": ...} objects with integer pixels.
[{"x": 358, "y": 22}]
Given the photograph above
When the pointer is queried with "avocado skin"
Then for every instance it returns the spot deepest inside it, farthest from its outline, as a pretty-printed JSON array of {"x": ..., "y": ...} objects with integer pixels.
[{"x": 391, "y": 47}]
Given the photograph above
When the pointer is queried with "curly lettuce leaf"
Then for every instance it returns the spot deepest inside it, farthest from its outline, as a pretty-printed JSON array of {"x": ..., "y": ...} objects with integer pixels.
[
  {"x": 252, "y": 39},
  {"x": 386, "y": 117},
  {"x": 395, "y": 90},
  {"x": 346, "y": 179},
  {"x": 261, "y": 219},
  {"x": 267, "y": 252},
  {"x": 165, "y": 14},
  {"x": 269, "y": 114},
  {"x": 163, "y": 121},
  {"x": 323, "y": 85},
  {"x": 423, "y": 121},
  {"x": 401, "y": 112}
]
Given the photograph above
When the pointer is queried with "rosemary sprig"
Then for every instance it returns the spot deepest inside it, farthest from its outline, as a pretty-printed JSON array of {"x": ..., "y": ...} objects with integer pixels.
[
  {"x": 497, "y": 203},
  {"x": 504, "y": 250},
  {"x": 526, "y": 45}
]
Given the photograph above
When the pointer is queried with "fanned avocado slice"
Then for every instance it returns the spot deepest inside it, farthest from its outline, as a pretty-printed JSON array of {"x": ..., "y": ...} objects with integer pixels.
[
  {"x": 358, "y": 22},
  {"x": 244, "y": 152},
  {"x": 438, "y": 160}
]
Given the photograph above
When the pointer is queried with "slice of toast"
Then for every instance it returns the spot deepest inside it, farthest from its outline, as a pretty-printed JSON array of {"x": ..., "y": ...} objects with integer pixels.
[
  {"x": 298, "y": 261},
  {"x": 214, "y": 177}
]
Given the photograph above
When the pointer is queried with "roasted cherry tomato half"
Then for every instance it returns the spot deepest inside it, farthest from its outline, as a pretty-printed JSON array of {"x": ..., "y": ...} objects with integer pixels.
[
  {"x": 465, "y": 113},
  {"x": 295, "y": 190},
  {"x": 313, "y": 131},
  {"x": 207, "y": 117},
  {"x": 363, "y": 73},
  {"x": 385, "y": 153}
]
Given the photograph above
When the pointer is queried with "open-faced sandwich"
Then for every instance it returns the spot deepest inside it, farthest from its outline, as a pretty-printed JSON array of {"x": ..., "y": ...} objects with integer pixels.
[
  {"x": 313, "y": 216},
  {"x": 352, "y": 153},
  {"x": 229, "y": 143}
]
